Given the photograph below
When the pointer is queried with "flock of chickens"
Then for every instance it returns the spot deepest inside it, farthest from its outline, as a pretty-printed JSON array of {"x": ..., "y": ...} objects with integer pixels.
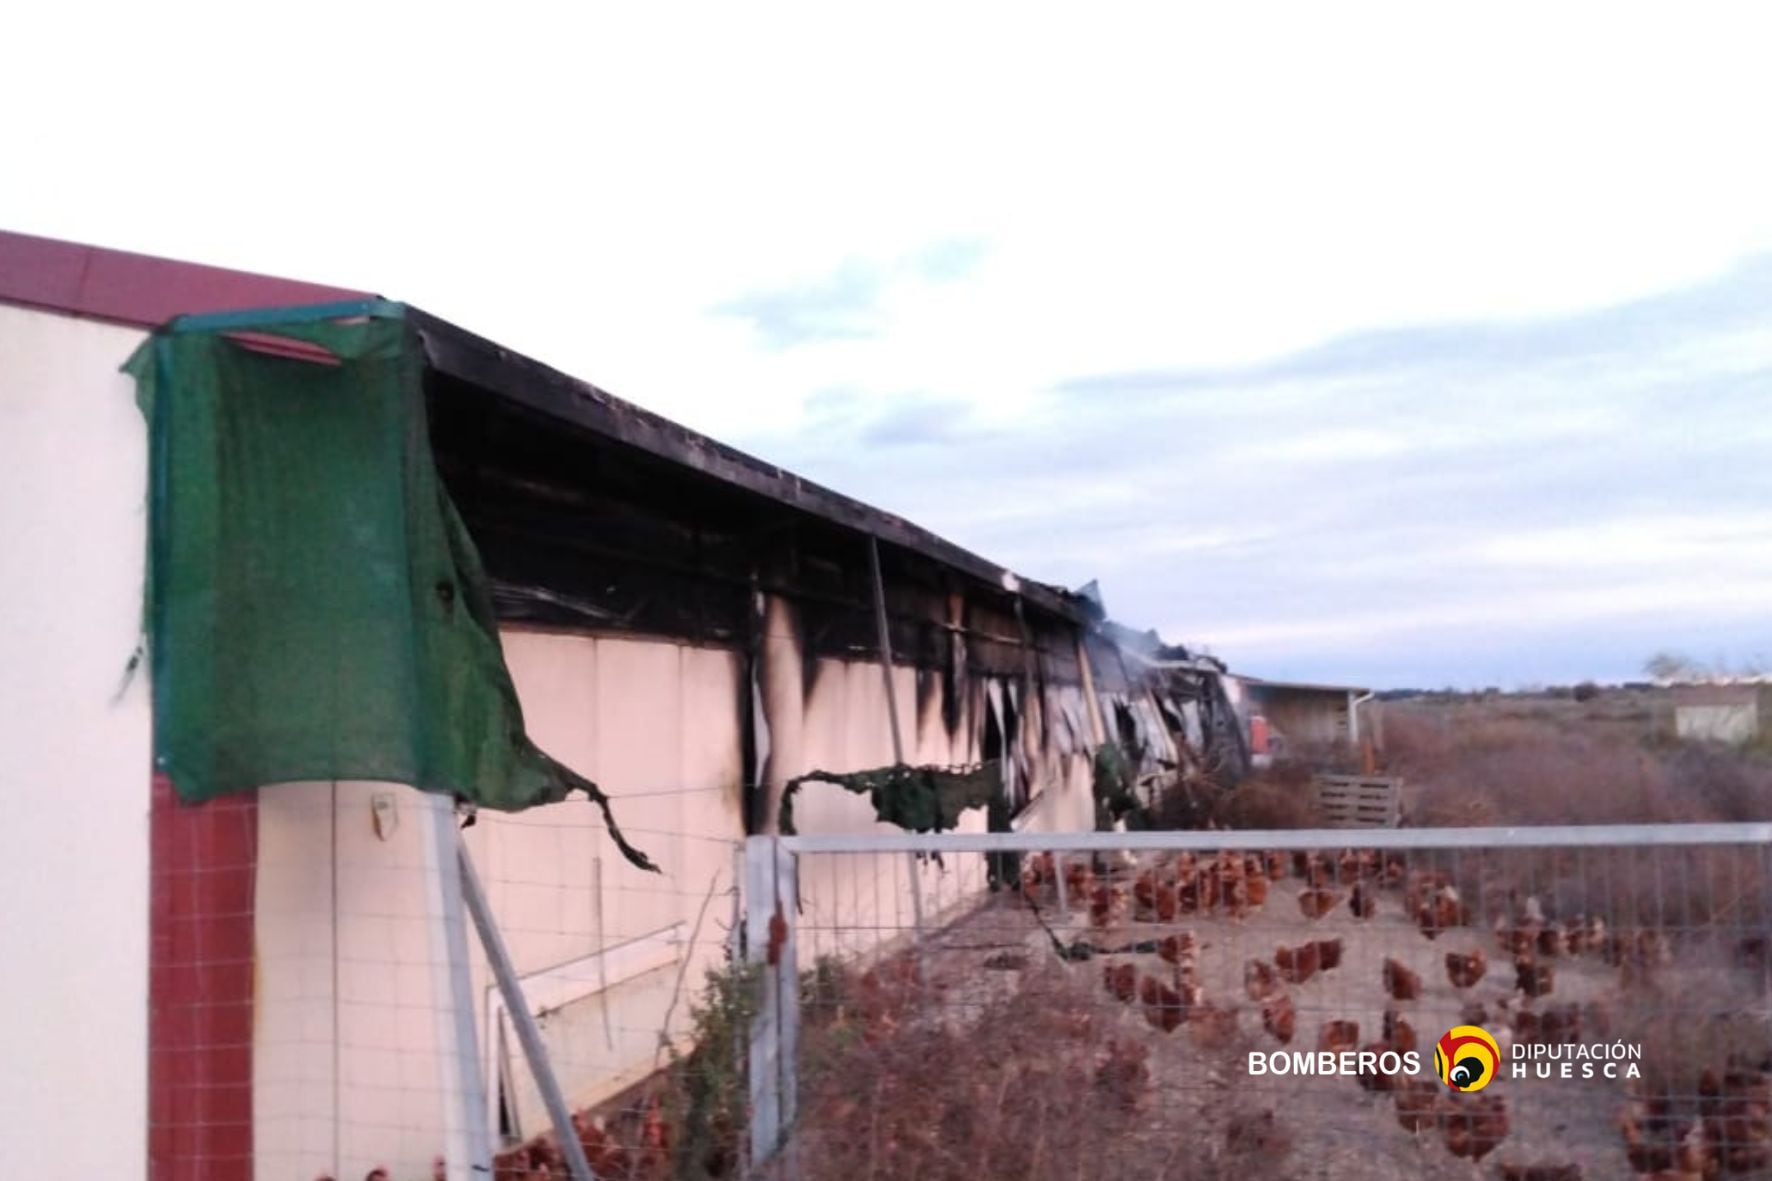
[{"x": 1732, "y": 1132}]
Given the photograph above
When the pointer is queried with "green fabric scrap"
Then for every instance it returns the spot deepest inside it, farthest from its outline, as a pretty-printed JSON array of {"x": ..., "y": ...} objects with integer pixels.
[
  {"x": 1115, "y": 798},
  {"x": 315, "y": 608},
  {"x": 918, "y": 799}
]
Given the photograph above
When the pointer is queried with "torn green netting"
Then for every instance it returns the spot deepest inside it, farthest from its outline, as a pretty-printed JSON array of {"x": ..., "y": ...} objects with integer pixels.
[
  {"x": 315, "y": 607},
  {"x": 919, "y": 799},
  {"x": 1115, "y": 794}
]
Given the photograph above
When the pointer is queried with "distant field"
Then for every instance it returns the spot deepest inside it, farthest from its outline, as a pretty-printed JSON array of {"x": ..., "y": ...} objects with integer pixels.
[{"x": 1542, "y": 759}]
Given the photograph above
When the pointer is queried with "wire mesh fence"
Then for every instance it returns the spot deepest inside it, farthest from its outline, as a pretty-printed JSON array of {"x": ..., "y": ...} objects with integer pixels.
[
  {"x": 1208, "y": 1005},
  {"x": 1188, "y": 1004}
]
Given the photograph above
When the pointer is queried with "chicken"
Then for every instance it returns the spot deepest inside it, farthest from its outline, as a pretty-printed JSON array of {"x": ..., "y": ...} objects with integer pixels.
[
  {"x": 1474, "y": 1125},
  {"x": 1738, "y": 1127},
  {"x": 1395, "y": 871},
  {"x": 1078, "y": 881},
  {"x": 1400, "y": 982},
  {"x": 1104, "y": 905},
  {"x": 606, "y": 1157},
  {"x": 1559, "y": 1172},
  {"x": 1339, "y": 1036},
  {"x": 1418, "y": 1103},
  {"x": 1533, "y": 978},
  {"x": 1276, "y": 865},
  {"x": 1298, "y": 964},
  {"x": 1399, "y": 1035},
  {"x": 1695, "y": 1155},
  {"x": 1260, "y": 980},
  {"x": 1280, "y": 1018},
  {"x": 1377, "y": 1080},
  {"x": 1121, "y": 981},
  {"x": 1440, "y": 912},
  {"x": 1168, "y": 902},
  {"x": 1328, "y": 954},
  {"x": 1144, "y": 894},
  {"x": 1163, "y": 1007},
  {"x": 1315, "y": 902},
  {"x": 1179, "y": 949},
  {"x": 1364, "y": 902},
  {"x": 1465, "y": 970},
  {"x": 1256, "y": 886}
]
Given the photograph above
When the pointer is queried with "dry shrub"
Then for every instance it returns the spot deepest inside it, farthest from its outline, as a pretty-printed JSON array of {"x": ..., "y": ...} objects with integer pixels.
[
  {"x": 1281, "y": 797},
  {"x": 1478, "y": 766}
]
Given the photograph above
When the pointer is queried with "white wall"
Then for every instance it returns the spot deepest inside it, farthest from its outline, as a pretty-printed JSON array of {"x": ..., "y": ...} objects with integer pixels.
[
  {"x": 1734, "y": 724},
  {"x": 347, "y": 1065},
  {"x": 74, "y": 753}
]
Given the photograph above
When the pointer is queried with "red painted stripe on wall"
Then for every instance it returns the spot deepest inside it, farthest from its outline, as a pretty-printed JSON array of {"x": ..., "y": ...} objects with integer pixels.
[{"x": 200, "y": 986}]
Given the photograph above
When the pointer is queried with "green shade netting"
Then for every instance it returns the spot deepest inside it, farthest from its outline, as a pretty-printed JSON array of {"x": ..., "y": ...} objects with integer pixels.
[
  {"x": 920, "y": 799},
  {"x": 316, "y": 609}
]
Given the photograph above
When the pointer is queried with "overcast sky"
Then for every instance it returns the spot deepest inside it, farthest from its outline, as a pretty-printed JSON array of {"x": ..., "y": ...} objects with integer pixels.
[{"x": 1352, "y": 342}]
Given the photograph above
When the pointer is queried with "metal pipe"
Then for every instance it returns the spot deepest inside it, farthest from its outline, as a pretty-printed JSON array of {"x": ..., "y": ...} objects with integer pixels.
[
  {"x": 1527, "y": 837},
  {"x": 528, "y": 1034}
]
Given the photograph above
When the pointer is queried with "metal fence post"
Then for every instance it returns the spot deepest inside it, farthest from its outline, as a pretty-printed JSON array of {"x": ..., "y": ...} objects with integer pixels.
[
  {"x": 517, "y": 1008},
  {"x": 770, "y": 892}
]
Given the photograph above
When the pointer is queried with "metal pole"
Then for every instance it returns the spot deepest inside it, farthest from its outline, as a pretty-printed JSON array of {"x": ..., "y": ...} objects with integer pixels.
[
  {"x": 892, "y": 712},
  {"x": 467, "y": 1150},
  {"x": 528, "y": 1034}
]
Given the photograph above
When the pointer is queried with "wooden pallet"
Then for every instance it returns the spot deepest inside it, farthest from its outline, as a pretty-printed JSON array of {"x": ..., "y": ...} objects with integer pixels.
[{"x": 1360, "y": 801}]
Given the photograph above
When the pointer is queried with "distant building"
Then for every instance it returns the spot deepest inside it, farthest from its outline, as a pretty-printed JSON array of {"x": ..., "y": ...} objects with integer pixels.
[
  {"x": 1719, "y": 713},
  {"x": 1283, "y": 715}
]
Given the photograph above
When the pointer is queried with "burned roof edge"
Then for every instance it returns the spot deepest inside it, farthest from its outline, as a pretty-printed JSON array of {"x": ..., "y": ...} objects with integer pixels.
[{"x": 474, "y": 359}]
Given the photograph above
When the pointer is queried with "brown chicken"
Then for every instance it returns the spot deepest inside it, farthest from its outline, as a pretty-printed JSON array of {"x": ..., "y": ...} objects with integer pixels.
[
  {"x": 1418, "y": 1103},
  {"x": 1298, "y": 964},
  {"x": 1168, "y": 902},
  {"x": 1533, "y": 977},
  {"x": 1374, "y": 1079},
  {"x": 1163, "y": 1007},
  {"x": 1465, "y": 970},
  {"x": 1260, "y": 980},
  {"x": 1144, "y": 894},
  {"x": 1078, "y": 881},
  {"x": 1104, "y": 905},
  {"x": 1276, "y": 865},
  {"x": 1315, "y": 902},
  {"x": 1364, "y": 902},
  {"x": 1328, "y": 954},
  {"x": 1339, "y": 1036},
  {"x": 1121, "y": 981},
  {"x": 1738, "y": 1126},
  {"x": 1474, "y": 1125},
  {"x": 1440, "y": 912},
  {"x": 1399, "y": 1035},
  {"x": 1280, "y": 1018},
  {"x": 1182, "y": 948},
  {"x": 1400, "y": 983},
  {"x": 1256, "y": 887}
]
